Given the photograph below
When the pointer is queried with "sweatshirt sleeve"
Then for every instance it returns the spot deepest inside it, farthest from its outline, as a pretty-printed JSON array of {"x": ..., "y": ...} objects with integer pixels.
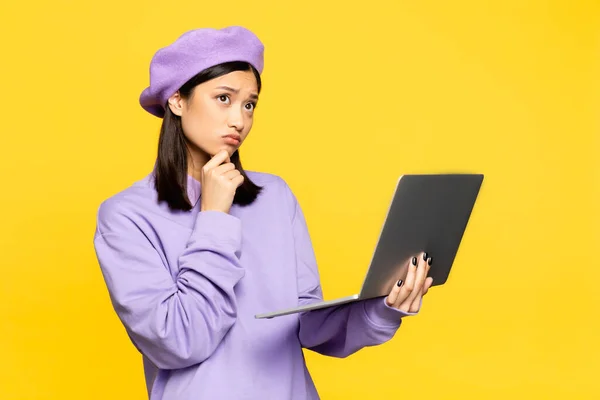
[
  {"x": 337, "y": 331},
  {"x": 177, "y": 322}
]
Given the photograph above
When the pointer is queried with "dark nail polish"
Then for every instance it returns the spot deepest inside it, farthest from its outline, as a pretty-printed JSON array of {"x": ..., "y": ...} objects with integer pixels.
[
  {"x": 429, "y": 261},
  {"x": 414, "y": 261},
  {"x": 424, "y": 256},
  {"x": 400, "y": 282}
]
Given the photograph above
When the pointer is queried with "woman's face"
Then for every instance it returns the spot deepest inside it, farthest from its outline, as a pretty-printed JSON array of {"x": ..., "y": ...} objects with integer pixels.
[{"x": 219, "y": 113}]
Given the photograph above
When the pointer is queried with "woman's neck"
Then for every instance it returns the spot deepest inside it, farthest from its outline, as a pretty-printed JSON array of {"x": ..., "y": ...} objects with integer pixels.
[{"x": 196, "y": 161}]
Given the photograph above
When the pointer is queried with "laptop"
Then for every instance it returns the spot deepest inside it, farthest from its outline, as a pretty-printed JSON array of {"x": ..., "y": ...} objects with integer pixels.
[{"x": 428, "y": 212}]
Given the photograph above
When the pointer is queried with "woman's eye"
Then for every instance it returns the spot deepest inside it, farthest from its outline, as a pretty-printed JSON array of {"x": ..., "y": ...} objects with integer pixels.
[
  {"x": 223, "y": 98},
  {"x": 250, "y": 106}
]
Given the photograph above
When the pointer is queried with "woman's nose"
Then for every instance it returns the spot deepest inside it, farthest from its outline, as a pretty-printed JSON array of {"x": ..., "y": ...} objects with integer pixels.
[{"x": 236, "y": 119}]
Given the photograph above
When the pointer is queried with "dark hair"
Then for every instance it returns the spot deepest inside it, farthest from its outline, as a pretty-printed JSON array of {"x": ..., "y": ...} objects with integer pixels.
[{"x": 172, "y": 161}]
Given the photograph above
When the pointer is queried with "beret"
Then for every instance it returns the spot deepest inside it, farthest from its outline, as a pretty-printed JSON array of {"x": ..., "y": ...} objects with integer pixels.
[{"x": 193, "y": 52}]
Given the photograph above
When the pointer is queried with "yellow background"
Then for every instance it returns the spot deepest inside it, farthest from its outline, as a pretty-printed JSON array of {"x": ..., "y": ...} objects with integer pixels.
[{"x": 354, "y": 95}]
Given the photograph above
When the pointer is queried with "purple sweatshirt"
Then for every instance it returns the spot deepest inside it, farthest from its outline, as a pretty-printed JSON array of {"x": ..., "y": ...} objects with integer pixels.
[{"x": 187, "y": 285}]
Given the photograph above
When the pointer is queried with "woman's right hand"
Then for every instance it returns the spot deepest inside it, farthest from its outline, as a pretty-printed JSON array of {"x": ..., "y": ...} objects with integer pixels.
[{"x": 219, "y": 181}]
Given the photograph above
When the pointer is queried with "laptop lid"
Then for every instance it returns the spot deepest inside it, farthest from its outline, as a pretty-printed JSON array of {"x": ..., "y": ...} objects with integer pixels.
[{"x": 428, "y": 212}]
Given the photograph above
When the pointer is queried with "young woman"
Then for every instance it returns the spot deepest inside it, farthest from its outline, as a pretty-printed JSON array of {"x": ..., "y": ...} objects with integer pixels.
[{"x": 192, "y": 252}]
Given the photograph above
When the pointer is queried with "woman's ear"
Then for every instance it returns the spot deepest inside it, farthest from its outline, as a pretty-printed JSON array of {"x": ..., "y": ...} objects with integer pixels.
[{"x": 176, "y": 104}]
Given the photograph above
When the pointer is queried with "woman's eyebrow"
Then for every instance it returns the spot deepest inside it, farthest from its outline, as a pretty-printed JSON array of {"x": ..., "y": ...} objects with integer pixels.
[{"x": 253, "y": 96}]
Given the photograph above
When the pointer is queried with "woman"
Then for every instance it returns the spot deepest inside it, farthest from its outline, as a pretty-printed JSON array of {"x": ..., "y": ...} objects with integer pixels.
[{"x": 194, "y": 250}]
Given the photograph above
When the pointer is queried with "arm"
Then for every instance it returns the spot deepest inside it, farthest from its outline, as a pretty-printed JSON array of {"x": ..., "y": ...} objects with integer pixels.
[
  {"x": 174, "y": 322},
  {"x": 342, "y": 330}
]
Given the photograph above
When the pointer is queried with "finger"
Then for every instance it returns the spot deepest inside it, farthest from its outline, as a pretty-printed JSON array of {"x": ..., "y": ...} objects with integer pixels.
[
  {"x": 428, "y": 279},
  {"x": 419, "y": 278},
  {"x": 428, "y": 283},
  {"x": 216, "y": 160},
  {"x": 416, "y": 304},
  {"x": 393, "y": 296},
  {"x": 237, "y": 181},
  {"x": 231, "y": 174},
  {"x": 408, "y": 285},
  {"x": 223, "y": 168}
]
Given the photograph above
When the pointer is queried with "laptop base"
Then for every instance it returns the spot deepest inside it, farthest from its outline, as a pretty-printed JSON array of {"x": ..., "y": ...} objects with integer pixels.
[{"x": 309, "y": 307}]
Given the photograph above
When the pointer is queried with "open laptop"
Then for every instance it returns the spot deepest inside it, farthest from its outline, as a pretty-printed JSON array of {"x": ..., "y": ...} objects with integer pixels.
[{"x": 427, "y": 213}]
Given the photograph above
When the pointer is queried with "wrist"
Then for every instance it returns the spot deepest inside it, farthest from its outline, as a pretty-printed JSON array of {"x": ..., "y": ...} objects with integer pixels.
[{"x": 213, "y": 209}]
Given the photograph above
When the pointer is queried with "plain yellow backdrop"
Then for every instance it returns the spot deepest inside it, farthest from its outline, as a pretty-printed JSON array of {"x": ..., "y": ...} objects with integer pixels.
[{"x": 354, "y": 95}]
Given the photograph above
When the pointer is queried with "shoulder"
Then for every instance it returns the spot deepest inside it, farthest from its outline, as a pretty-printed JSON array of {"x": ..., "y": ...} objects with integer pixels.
[
  {"x": 270, "y": 182},
  {"x": 119, "y": 211},
  {"x": 267, "y": 180},
  {"x": 274, "y": 189}
]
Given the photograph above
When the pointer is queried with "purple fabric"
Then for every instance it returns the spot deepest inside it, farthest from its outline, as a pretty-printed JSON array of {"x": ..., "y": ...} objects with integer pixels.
[
  {"x": 193, "y": 52},
  {"x": 187, "y": 287}
]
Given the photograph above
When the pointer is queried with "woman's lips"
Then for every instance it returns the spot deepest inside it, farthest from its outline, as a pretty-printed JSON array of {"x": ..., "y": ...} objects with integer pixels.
[{"x": 232, "y": 139}]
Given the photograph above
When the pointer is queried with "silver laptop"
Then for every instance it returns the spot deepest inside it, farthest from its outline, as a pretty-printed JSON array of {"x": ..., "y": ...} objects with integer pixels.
[{"x": 427, "y": 213}]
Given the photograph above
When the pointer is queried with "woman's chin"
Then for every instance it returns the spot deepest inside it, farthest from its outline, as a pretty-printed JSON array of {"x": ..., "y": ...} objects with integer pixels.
[
  {"x": 229, "y": 148},
  {"x": 217, "y": 149}
]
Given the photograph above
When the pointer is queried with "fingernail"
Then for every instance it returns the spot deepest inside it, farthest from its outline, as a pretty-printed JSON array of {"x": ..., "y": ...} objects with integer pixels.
[
  {"x": 414, "y": 261},
  {"x": 424, "y": 256},
  {"x": 400, "y": 282},
  {"x": 429, "y": 261}
]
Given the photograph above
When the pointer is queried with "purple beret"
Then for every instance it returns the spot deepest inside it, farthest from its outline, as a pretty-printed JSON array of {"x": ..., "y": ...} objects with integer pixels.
[{"x": 193, "y": 52}]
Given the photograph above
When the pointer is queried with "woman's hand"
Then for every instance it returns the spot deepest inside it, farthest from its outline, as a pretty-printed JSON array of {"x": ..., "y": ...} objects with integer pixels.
[
  {"x": 406, "y": 296},
  {"x": 219, "y": 181}
]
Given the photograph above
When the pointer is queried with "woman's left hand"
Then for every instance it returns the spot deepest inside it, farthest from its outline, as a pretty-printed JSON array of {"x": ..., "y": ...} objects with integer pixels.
[{"x": 406, "y": 296}]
